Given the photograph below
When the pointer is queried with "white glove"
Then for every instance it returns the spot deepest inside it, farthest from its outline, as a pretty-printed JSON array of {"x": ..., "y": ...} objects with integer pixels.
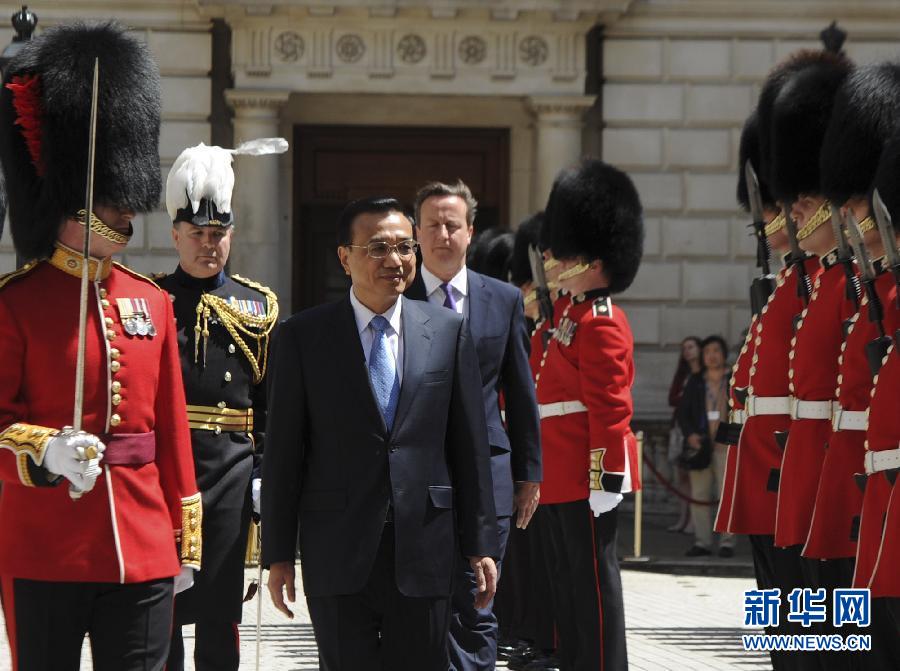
[
  {"x": 76, "y": 457},
  {"x": 256, "y": 493},
  {"x": 602, "y": 502},
  {"x": 185, "y": 579}
]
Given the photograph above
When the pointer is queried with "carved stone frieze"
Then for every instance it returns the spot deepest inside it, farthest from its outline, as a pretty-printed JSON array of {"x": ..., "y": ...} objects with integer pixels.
[
  {"x": 350, "y": 48},
  {"x": 472, "y": 49},
  {"x": 411, "y": 48},
  {"x": 289, "y": 46},
  {"x": 533, "y": 50}
]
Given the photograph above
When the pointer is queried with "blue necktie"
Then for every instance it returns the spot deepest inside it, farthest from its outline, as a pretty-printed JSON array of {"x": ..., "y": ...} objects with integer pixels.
[
  {"x": 383, "y": 372},
  {"x": 449, "y": 300}
]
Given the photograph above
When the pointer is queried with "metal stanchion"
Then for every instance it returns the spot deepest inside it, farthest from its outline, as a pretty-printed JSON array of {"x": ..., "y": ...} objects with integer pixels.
[{"x": 638, "y": 504}]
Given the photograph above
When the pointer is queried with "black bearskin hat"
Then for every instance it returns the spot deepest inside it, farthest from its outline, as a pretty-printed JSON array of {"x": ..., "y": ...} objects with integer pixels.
[
  {"x": 527, "y": 235},
  {"x": 887, "y": 177},
  {"x": 594, "y": 212},
  {"x": 771, "y": 87},
  {"x": 45, "y": 105},
  {"x": 800, "y": 115},
  {"x": 866, "y": 111},
  {"x": 497, "y": 256},
  {"x": 478, "y": 248},
  {"x": 749, "y": 150}
]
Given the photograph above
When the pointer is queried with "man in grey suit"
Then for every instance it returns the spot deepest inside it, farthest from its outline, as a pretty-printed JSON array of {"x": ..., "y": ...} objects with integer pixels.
[{"x": 377, "y": 457}]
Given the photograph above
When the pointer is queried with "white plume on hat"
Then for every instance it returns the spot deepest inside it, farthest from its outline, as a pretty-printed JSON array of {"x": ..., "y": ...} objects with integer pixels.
[{"x": 205, "y": 172}]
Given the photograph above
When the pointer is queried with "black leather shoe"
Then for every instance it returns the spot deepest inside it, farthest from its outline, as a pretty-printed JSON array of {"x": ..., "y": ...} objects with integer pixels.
[
  {"x": 512, "y": 646},
  {"x": 544, "y": 664},
  {"x": 519, "y": 661},
  {"x": 697, "y": 551},
  {"x": 726, "y": 552}
]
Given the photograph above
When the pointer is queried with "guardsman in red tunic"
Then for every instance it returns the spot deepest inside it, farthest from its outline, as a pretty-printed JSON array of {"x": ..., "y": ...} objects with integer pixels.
[
  {"x": 865, "y": 115},
  {"x": 740, "y": 378},
  {"x": 584, "y": 391},
  {"x": 91, "y": 521},
  {"x": 878, "y": 550},
  {"x": 819, "y": 331}
]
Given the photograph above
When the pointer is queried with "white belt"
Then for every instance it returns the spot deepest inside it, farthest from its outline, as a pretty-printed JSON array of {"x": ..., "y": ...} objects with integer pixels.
[
  {"x": 801, "y": 409},
  {"x": 737, "y": 416},
  {"x": 849, "y": 420},
  {"x": 768, "y": 405},
  {"x": 882, "y": 461},
  {"x": 561, "y": 408}
]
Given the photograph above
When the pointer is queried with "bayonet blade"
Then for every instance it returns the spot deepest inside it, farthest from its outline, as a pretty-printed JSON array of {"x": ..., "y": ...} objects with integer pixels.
[
  {"x": 843, "y": 248},
  {"x": 863, "y": 260},
  {"x": 886, "y": 230},
  {"x": 756, "y": 206}
]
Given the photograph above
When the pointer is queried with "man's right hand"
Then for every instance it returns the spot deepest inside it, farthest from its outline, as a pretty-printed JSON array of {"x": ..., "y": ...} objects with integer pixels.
[
  {"x": 694, "y": 441},
  {"x": 76, "y": 457},
  {"x": 281, "y": 579}
]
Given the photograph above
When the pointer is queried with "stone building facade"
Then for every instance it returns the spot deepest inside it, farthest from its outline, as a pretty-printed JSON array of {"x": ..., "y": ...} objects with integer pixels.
[{"x": 659, "y": 88}]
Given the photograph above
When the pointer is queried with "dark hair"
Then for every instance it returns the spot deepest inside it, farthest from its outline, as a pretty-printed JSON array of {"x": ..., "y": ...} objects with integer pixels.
[
  {"x": 718, "y": 340},
  {"x": 373, "y": 205},
  {"x": 440, "y": 189},
  {"x": 684, "y": 368}
]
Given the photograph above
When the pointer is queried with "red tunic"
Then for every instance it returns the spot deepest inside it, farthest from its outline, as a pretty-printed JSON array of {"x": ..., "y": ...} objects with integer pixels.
[
  {"x": 758, "y": 455},
  {"x": 835, "y": 523},
  {"x": 813, "y": 377},
  {"x": 125, "y": 529},
  {"x": 589, "y": 360},
  {"x": 740, "y": 378}
]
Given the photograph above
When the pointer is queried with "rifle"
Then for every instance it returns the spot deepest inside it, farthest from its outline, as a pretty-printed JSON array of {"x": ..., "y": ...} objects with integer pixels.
[
  {"x": 876, "y": 349},
  {"x": 761, "y": 287},
  {"x": 797, "y": 257},
  {"x": 852, "y": 289},
  {"x": 542, "y": 290}
]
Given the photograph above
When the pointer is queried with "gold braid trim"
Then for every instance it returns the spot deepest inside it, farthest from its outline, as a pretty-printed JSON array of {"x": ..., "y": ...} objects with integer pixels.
[
  {"x": 821, "y": 215},
  {"x": 24, "y": 270},
  {"x": 596, "y": 470},
  {"x": 237, "y": 322},
  {"x": 191, "y": 534},
  {"x": 136, "y": 274},
  {"x": 866, "y": 225},
  {"x": 775, "y": 225},
  {"x": 27, "y": 441}
]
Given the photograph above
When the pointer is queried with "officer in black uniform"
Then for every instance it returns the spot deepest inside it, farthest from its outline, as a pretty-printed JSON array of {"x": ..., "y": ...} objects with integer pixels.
[{"x": 224, "y": 326}]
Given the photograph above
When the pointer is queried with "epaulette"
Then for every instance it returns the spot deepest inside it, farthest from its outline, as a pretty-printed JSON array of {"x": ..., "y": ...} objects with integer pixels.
[
  {"x": 21, "y": 272},
  {"x": 136, "y": 274},
  {"x": 603, "y": 306},
  {"x": 266, "y": 291}
]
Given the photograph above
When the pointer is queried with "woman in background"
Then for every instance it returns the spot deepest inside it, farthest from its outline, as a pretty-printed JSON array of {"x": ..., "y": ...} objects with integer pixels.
[{"x": 688, "y": 363}]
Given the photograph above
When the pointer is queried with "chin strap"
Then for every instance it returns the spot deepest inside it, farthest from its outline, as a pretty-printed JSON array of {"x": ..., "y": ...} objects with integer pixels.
[{"x": 105, "y": 231}]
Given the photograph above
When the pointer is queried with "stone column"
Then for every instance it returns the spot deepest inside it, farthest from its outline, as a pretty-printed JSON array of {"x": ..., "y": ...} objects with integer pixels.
[
  {"x": 558, "y": 127},
  {"x": 259, "y": 233}
]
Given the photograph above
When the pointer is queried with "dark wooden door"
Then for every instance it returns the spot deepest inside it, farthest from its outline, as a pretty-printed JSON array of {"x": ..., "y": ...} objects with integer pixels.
[{"x": 336, "y": 164}]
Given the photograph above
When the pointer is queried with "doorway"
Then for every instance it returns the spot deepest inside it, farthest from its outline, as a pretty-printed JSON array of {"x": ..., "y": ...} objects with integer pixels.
[{"x": 336, "y": 164}]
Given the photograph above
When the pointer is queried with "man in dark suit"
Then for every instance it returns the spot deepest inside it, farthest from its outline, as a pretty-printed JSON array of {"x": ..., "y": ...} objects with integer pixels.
[
  {"x": 444, "y": 224},
  {"x": 377, "y": 453}
]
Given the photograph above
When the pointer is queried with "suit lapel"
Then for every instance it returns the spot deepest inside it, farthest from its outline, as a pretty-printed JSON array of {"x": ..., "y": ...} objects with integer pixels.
[
  {"x": 416, "y": 290},
  {"x": 351, "y": 361},
  {"x": 416, "y": 349},
  {"x": 479, "y": 304}
]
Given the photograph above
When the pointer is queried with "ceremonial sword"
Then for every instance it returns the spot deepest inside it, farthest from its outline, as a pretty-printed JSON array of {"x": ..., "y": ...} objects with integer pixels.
[{"x": 78, "y": 411}]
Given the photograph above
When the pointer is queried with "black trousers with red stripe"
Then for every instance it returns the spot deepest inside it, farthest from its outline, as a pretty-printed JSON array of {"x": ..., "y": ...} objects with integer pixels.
[
  {"x": 128, "y": 625},
  {"x": 587, "y": 587},
  {"x": 217, "y": 647}
]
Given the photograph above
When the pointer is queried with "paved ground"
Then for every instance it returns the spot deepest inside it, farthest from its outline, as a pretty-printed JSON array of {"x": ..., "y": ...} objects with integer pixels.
[
  {"x": 680, "y": 613},
  {"x": 674, "y": 622}
]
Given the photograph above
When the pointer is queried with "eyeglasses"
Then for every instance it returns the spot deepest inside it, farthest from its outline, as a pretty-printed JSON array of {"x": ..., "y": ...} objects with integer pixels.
[{"x": 380, "y": 250}]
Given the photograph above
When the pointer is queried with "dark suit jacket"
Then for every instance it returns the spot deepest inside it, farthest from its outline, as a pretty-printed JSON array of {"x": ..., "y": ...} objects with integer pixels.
[
  {"x": 332, "y": 468},
  {"x": 497, "y": 324}
]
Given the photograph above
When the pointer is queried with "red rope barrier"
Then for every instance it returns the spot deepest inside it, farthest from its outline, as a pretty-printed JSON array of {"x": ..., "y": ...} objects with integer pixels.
[{"x": 670, "y": 487}]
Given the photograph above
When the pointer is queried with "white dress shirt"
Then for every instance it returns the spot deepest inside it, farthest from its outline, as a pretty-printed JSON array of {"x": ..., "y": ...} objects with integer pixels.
[
  {"x": 459, "y": 285},
  {"x": 394, "y": 332}
]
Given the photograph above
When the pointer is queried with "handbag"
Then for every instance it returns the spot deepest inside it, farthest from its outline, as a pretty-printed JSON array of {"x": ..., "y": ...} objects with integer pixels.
[{"x": 694, "y": 459}]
